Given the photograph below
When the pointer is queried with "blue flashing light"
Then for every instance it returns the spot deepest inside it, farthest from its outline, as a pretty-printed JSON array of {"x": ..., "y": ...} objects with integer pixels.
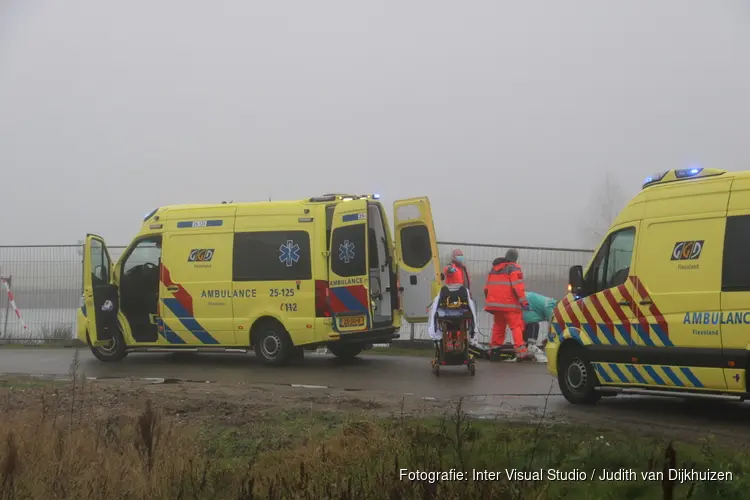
[
  {"x": 376, "y": 196},
  {"x": 654, "y": 178},
  {"x": 688, "y": 172}
]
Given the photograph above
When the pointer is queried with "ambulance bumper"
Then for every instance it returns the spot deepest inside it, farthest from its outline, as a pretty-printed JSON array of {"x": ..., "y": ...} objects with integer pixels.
[
  {"x": 551, "y": 352},
  {"x": 376, "y": 336}
]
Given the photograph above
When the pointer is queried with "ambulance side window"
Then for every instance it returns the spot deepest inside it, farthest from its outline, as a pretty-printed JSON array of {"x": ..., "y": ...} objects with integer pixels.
[
  {"x": 99, "y": 264},
  {"x": 611, "y": 266},
  {"x": 348, "y": 251},
  {"x": 735, "y": 275},
  {"x": 619, "y": 257},
  {"x": 272, "y": 256}
]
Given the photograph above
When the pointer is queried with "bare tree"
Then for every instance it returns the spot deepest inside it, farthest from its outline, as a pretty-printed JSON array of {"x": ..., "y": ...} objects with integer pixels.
[{"x": 608, "y": 200}]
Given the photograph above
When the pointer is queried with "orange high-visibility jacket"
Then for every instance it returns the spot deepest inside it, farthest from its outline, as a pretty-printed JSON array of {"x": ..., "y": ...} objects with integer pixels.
[
  {"x": 505, "y": 290},
  {"x": 456, "y": 274}
]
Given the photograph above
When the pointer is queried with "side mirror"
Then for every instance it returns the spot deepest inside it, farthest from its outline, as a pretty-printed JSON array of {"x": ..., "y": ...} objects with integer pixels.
[{"x": 575, "y": 280}]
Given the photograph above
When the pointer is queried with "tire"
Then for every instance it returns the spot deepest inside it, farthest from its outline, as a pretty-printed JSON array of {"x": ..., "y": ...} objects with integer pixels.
[
  {"x": 116, "y": 351},
  {"x": 345, "y": 351},
  {"x": 576, "y": 377},
  {"x": 272, "y": 344},
  {"x": 472, "y": 370}
]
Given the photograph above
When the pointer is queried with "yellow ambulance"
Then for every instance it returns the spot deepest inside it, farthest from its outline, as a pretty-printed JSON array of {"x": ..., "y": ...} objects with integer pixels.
[
  {"x": 663, "y": 308},
  {"x": 278, "y": 277}
]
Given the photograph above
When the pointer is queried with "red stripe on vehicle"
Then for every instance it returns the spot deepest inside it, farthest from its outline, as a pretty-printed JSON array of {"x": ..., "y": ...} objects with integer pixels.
[
  {"x": 360, "y": 293},
  {"x": 336, "y": 305},
  {"x": 573, "y": 318},
  {"x": 558, "y": 316},
  {"x": 589, "y": 318},
  {"x": 621, "y": 315},
  {"x": 638, "y": 314},
  {"x": 182, "y": 295},
  {"x": 655, "y": 312}
]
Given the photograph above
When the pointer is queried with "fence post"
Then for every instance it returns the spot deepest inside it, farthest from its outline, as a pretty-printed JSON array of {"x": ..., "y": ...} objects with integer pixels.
[{"x": 411, "y": 331}]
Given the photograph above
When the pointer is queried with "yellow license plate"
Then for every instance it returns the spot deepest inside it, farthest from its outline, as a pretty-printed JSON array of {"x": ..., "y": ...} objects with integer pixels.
[{"x": 348, "y": 321}]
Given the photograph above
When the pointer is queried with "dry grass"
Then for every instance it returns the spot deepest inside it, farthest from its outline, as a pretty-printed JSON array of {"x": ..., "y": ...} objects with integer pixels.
[{"x": 64, "y": 444}]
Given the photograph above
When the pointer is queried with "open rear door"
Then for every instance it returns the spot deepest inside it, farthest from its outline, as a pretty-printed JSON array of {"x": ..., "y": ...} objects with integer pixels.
[
  {"x": 100, "y": 295},
  {"x": 349, "y": 281},
  {"x": 417, "y": 257}
]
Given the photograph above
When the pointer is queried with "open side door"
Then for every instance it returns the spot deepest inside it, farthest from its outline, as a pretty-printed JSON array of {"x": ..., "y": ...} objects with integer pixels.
[
  {"x": 417, "y": 257},
  {"x": 349, "y": 282},
  {"x": 100, "y": 295}
]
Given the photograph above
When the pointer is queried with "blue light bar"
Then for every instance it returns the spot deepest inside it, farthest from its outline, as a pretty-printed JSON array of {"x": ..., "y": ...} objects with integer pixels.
[
  {"x": 687, "y": 172},
  {"x": 376, "y": 196},
  {"x": 654, "y": 178}
]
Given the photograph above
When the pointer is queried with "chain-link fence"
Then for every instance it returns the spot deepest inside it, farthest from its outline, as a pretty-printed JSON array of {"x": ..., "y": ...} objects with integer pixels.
[{"x": 47, "y": 283}]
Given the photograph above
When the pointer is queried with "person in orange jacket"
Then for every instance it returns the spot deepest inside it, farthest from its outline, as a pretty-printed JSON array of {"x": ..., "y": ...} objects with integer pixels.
[
  {"x": 455, "y": 273},
  {"x": 506, "y": 300}
]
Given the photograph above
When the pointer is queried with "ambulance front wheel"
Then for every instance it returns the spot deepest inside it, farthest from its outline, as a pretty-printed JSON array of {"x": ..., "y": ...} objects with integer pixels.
[
  {"x": 576, "y": 376},
  {"x": 272, "y": 344},
  {"x": 115, "y": 351}
]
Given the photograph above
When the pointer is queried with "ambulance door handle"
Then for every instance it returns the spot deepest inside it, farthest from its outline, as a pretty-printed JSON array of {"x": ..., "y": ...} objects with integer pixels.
[
  {"x": 646, "y": 302},
  {"x": 623, "y": 303},
  {"x": 173, "y": 288}
]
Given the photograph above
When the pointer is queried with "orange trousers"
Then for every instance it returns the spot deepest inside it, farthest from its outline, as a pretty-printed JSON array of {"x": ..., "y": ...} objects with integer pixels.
[{"x": 513, "y": 320}]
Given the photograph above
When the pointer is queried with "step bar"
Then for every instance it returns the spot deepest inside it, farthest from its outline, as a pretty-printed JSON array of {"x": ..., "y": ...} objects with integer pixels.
[
  {"x": 189, "y": 349},
  {"x": 605, "y": 390}
]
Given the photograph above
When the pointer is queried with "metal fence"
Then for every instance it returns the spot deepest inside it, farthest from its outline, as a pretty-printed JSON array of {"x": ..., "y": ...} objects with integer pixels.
[{"x": 47, "y": 283}]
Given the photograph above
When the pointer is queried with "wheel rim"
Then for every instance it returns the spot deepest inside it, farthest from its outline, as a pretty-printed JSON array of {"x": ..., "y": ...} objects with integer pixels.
[
  {"x": 271, "y": 346},
  {"x": 576, "y": 376},
  {"x": 109, "y": 349}
]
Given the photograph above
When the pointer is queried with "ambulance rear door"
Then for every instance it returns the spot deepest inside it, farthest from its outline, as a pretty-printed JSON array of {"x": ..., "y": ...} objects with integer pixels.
[
  {"x": 416, "y": 256},
  {"x": 349, "y": 287},
  {"x": 100, "y": 295}
]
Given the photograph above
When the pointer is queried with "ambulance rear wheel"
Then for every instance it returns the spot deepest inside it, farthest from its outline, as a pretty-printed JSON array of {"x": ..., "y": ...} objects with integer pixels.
[
  {"x": 273, "y": 344},
  {"x": 345, "y": 351},
  {"x": 113, "y": 352},
  {"x": 576, "y": 377}
]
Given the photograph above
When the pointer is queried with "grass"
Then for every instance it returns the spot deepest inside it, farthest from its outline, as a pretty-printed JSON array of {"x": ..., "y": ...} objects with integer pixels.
[
  {"x": 48, "y": 336},
  {"x": 67, "y": 447}
]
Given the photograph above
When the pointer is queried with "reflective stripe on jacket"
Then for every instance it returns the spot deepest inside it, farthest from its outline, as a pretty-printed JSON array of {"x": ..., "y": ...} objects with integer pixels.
[
  {"x": 456, "y": 274},
  {"x": 505, "y": 290}
]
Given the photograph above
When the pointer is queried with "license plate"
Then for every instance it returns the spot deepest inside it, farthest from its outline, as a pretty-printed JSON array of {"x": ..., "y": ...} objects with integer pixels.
[{"x": 349, "y": 321}]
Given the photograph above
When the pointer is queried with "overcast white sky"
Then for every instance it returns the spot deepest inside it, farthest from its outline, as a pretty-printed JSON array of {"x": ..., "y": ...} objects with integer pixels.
[{"x": 505, "y": 113}]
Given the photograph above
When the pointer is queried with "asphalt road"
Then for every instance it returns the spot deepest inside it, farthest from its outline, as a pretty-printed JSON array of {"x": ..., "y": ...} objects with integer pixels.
[{"x": 498, "y": 388}]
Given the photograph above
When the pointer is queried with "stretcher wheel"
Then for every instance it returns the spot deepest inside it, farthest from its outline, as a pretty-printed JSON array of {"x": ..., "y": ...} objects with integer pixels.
[
  {"x": 436, "y": 369},
  {"x": 472, "y": 370}
]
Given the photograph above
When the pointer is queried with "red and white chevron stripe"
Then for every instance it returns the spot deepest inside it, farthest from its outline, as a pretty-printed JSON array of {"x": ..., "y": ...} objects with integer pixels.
[{"x": 13, "y": 304}]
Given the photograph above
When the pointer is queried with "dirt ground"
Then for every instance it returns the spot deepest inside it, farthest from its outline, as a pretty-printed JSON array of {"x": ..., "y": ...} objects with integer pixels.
[
  {"x": 241, "y": 403},
  {"x": 196, "y": 402}
]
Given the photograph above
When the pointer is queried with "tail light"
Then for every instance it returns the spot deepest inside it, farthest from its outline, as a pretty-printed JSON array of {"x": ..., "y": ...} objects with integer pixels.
[{"x": 322, "y": 300}]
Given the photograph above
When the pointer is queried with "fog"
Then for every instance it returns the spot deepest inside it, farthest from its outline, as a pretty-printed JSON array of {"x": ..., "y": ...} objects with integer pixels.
[{"x": 506, "y": 114}]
